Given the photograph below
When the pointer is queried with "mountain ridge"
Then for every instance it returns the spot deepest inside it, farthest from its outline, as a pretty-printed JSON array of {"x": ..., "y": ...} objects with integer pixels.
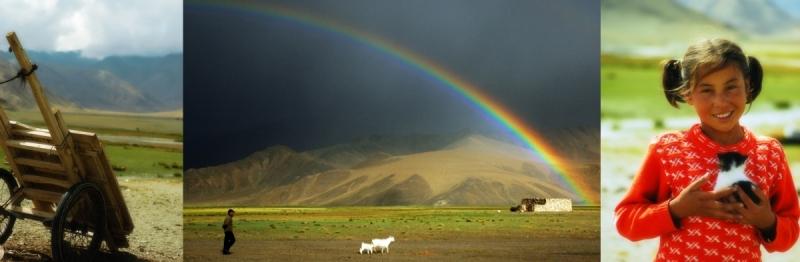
[
  {"x": 471, "y": 170},
  {"x": 124, "y": 84}
]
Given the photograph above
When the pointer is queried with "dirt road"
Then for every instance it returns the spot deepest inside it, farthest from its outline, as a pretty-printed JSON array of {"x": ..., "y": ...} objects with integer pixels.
[{"x": 156, "y": 207}]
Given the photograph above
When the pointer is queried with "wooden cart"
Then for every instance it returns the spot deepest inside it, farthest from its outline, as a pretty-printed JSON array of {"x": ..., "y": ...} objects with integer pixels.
[{"x": 66, "y": 176}]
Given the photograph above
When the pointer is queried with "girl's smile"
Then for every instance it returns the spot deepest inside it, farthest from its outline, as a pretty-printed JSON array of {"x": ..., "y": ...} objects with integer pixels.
[
  {"x": 724, "y": 116},
  {"x": 719, "y": 98}
]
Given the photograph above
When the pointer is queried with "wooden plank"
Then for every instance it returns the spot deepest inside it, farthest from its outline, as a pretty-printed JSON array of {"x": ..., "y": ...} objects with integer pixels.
[
  {"x": 10, "y": 154},
  {"x": 38, "y": 134},
  {"x": 70, "y": 150},
  {"x": 29, "y": 213},
  {"x": 32, "y": 146},
  {"x": 111, "y": 188},
  {"x": 82, "y": 133},
  {"x": 18, "y": 125},
  {"x": 36, "y": 86},
  {"x": 39, "y": 163},
  {"x": 60, "y": 122},
  {"x": 43, "y": 134},
  {"x": 43, "y": 195},
  {"x": 16, "y": 198},
  {"x": 64, "y": 150},
  {"x": 5, "y": 125},
  {"x": 43, "y": 179}
]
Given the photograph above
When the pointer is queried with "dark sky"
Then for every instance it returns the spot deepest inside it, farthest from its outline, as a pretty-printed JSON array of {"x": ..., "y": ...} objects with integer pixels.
[{"x": 254, "y": 81}]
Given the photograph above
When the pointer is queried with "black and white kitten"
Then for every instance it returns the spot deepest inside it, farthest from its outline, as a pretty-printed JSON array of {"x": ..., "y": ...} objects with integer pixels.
[{"x": 731, "y": 173}]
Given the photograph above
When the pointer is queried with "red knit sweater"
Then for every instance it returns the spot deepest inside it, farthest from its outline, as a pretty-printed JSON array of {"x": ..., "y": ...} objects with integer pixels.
[{"x": 672, "y": 163}]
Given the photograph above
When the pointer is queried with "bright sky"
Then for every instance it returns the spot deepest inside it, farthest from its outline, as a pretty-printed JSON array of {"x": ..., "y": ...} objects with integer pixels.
[{"x": 96, "y": 28}]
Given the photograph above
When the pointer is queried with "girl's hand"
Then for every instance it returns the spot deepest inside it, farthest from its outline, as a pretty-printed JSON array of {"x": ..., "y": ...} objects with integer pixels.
[
  {"x": 693, "y": 201},
  {"x": 759, "y": 215}
]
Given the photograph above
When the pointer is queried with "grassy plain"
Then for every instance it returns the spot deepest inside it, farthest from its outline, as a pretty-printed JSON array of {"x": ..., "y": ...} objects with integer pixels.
[
  {"x": 128, "y": 124},
  {"x": 631, "y": 88},
  {"x": 130, "y": 158},
  {"x": 481, "y": 233}
]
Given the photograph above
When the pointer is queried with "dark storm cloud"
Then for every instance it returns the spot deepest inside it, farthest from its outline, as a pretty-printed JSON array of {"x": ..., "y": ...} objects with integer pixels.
[{"x": 254, "y": 81}]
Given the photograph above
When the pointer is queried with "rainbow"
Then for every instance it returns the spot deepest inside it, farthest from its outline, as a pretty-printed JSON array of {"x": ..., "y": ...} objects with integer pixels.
[{"x": 472, "y": 93}]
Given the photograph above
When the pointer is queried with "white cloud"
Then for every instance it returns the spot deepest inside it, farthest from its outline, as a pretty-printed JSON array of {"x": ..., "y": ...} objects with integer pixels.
[
  {"x": 75, "y": 33},
  {"x": 96, "y": 28}
]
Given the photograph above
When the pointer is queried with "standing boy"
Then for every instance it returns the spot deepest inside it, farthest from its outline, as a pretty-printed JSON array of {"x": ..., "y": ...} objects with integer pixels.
[{"x": 229, "y": 238}]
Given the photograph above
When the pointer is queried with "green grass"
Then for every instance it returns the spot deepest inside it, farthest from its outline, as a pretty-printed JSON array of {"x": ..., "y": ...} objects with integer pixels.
[
  {"x": 145, "y": 161},
  {"x": 276, "y": 223},
  {"x": 631, "y": 87}
]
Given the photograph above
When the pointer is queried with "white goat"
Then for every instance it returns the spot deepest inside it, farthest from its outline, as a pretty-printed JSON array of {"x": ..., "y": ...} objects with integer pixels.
[
  {"x": 367, "y": 247},
  {"x": 383, "y": 243}
]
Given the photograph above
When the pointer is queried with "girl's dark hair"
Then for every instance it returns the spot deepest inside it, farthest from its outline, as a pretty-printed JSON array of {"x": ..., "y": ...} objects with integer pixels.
[
  {"x": 671, "y": 80},
  {"x": 229, "y": 211},
  {"x": 679, "y": 77}
]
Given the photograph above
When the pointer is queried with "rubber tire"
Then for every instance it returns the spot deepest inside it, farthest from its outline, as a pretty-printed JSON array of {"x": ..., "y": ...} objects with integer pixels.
[
  {"x": 57, "y": 230},
  {"x": 9, "y": 180}
]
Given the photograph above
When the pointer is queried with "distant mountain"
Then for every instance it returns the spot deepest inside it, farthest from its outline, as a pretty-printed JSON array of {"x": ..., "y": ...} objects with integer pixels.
[
  {"x": 271, "y": 167},
  {"x": 360, "y": 150},
  {"x": 664, "y": 27},
  {"x": 638, "y": 26},
  {"x": 15, "y": 96},
  {"x": 756, "y": 17},
  {"x": 132, "y": 84},
  {"x": 159, "y": 77},
  {"x": 578, "y": 143},
  {"x": 469, "y": 170}
]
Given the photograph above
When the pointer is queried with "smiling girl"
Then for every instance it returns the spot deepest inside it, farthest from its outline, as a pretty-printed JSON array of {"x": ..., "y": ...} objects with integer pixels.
[{"x": 672, "y": 196}]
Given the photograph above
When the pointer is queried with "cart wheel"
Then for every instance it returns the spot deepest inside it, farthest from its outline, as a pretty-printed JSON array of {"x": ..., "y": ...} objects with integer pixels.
[
  {"x": 7, "y": 187},
  {"x": 79, "y": 224}
]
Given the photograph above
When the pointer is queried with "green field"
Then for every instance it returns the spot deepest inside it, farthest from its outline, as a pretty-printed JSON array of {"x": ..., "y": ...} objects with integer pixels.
[
  {"x": 114, "y": 124},
  {"x": 631, "y": 87},
  {"x": 146, "y": 161},
  {"x": 404, "y": 222},
  {"x": 421, "y": 234},
  {"x": 128, "y": 159},
  {"x": 140, "y": 161}
]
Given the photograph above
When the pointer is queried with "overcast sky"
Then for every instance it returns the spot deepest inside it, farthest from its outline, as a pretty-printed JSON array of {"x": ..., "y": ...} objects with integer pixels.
[
  {"x": 253, "y": 81},
  {"x": 96, "y": 28}
]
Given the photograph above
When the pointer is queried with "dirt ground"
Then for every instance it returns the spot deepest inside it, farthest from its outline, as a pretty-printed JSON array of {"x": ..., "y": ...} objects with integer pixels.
[
  {"x": 401, "y": 250},
  {"x": 156, "y": 207}
]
